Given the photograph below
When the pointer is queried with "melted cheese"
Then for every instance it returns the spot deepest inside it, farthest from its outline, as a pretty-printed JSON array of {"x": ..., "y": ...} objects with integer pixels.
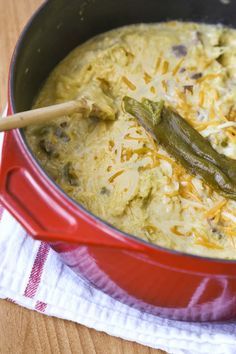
[{"x": 115, "y": 169}]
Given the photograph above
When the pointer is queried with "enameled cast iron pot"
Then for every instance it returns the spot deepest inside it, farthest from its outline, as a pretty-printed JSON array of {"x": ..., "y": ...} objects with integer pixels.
[{"x": 148, "y": 277}]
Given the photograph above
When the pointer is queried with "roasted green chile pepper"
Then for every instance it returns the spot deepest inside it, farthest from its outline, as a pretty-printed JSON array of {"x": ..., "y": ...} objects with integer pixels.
[{"x": 185, "y": 144}]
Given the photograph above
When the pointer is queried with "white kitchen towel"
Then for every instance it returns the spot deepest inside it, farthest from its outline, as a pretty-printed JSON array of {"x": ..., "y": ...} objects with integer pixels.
[{"x": 32, "y": 275}]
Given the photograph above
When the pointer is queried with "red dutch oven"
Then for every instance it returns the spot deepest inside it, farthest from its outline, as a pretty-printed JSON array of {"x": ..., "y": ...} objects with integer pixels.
[{"x": 147, "y": 277}]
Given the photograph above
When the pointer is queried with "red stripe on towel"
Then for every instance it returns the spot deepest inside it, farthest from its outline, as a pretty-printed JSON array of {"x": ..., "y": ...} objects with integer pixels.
[
  {"x": 37, "y": 269},
  {"x": 40, "y": 306},
  {"x": 1, "y": 212}
]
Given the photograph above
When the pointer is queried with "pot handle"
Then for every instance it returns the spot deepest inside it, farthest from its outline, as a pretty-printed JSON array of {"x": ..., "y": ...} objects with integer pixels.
[{"x": 44, "y": 211}]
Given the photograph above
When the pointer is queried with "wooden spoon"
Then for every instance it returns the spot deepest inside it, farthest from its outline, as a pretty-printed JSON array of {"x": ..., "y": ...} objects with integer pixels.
[{"x": 92, "y": 102}]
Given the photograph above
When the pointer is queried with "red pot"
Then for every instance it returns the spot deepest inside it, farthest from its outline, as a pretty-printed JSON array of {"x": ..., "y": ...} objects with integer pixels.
[{"x": 148, "y": 277}]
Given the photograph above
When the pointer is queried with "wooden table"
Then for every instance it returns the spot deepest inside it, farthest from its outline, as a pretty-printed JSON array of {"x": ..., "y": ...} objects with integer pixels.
[{"x": 21, "y": 330}]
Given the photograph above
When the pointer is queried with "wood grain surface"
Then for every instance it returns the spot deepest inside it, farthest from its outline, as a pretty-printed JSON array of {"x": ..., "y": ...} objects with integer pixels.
[{"x": 21, "y": 330}]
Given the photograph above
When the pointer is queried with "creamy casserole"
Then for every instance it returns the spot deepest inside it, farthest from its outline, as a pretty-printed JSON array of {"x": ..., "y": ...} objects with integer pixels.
[{"x": 114, "y": 168}]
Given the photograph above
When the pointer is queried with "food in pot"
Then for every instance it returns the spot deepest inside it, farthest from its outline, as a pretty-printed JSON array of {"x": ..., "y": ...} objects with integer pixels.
[
  {"x": 116, "y": 169},
  {"x": 186, "y": 145}
]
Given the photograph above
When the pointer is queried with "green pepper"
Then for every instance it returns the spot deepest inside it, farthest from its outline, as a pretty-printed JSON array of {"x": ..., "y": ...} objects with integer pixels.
[
  {"x": 70, "y": 175},
  {"x": 185, "y": 144}
]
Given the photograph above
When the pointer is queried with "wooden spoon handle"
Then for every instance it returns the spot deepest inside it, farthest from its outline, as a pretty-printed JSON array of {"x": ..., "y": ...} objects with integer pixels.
[{"x": 40, "y": 115}]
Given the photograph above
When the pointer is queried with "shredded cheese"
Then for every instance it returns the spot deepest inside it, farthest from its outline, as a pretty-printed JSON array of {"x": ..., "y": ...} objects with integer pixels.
[
  {"x": 165, "y": 67},
  {"x": 117, "y": 174},
  {"x": 130, "y": 85},
  {"x": 213, "y": 211}
]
